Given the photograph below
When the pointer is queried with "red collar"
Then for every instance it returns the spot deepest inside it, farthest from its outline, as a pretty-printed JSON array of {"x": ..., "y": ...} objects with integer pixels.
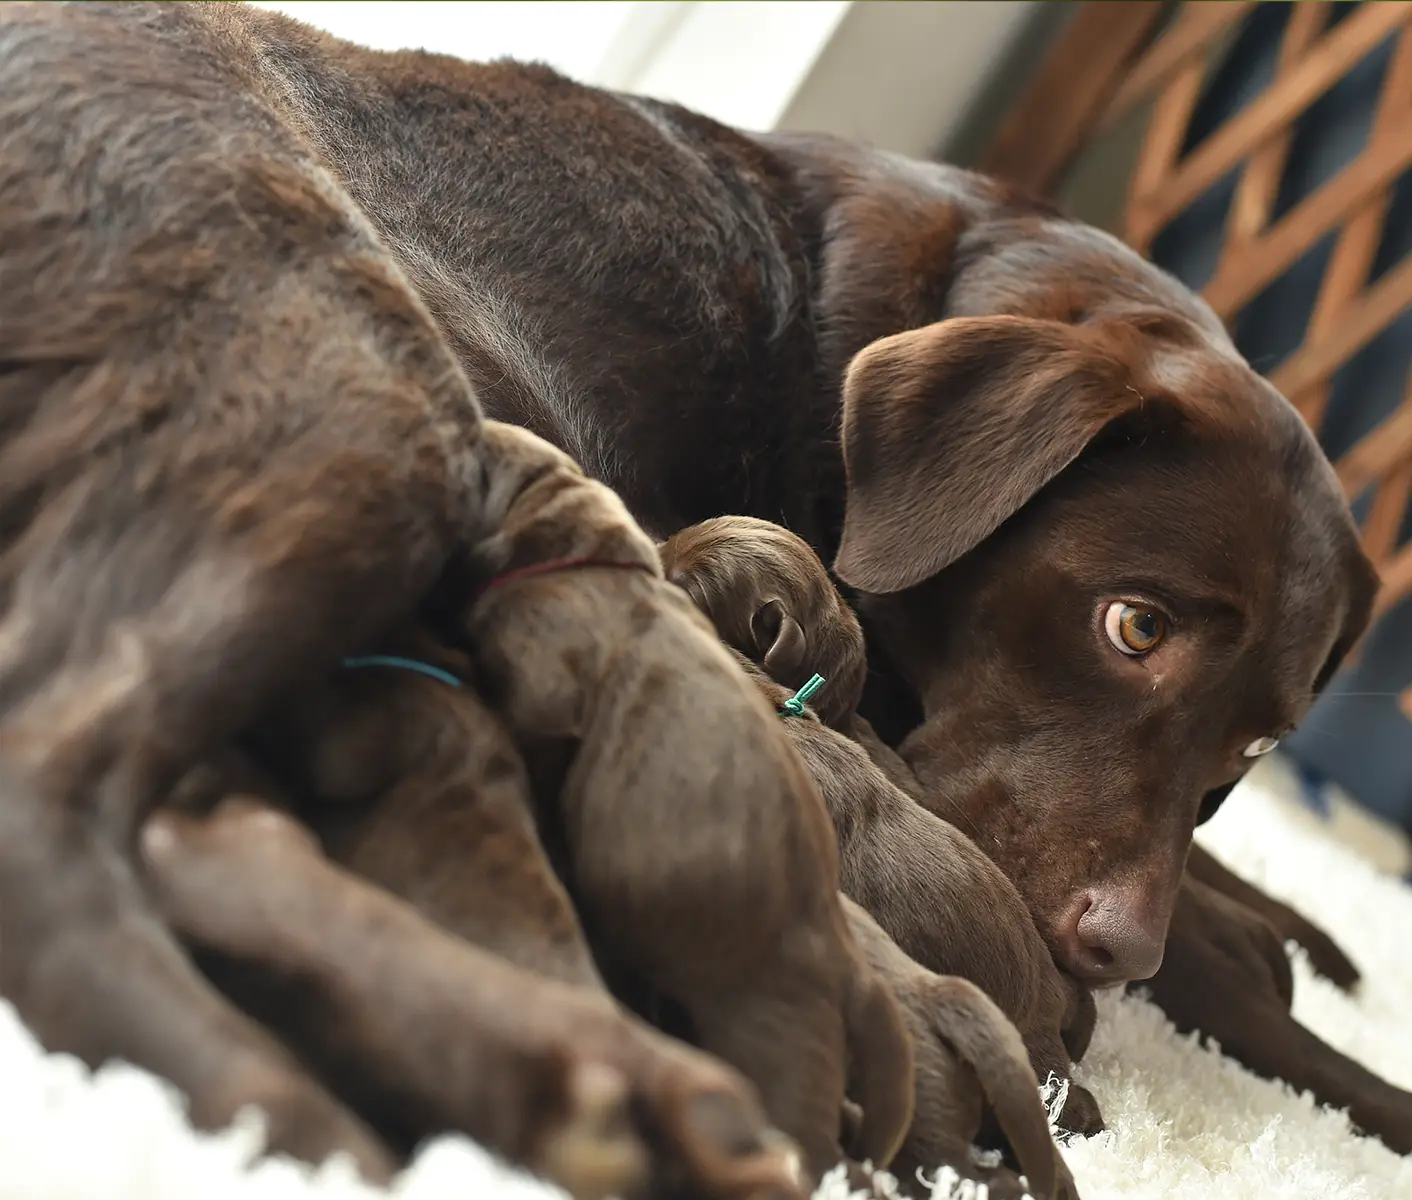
[{"x": 562, "y": 564}]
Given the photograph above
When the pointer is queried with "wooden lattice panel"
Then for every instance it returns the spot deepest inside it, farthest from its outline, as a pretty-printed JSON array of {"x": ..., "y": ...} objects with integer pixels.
[{"x": 1128, "y": 54}]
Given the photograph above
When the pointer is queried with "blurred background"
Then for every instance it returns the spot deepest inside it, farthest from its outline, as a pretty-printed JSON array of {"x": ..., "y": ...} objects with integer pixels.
[{"x": 1262, "y": 152}]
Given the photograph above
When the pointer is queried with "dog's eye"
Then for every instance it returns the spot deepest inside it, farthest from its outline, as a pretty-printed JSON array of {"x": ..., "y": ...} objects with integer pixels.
[
  {"x": 1134, "y": 629},
  {"x": 1260, "y": 747}
]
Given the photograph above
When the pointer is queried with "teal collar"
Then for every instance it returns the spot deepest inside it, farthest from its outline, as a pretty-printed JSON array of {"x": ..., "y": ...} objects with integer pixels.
[{"x": 403, "y": 664}]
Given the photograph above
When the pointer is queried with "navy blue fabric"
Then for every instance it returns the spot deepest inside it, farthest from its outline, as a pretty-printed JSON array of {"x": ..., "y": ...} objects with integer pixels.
[{"x": 1357, "y": 735}]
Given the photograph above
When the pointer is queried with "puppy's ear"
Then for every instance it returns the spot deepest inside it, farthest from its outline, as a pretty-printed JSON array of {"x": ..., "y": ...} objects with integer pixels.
[
  {"x": 781, "y": 642},
  {"x": 950, "y": 429}
]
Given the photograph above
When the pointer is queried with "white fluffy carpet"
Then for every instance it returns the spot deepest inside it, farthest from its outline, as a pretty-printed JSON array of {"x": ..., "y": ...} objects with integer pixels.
[{"x": 1185, "y": 1123}]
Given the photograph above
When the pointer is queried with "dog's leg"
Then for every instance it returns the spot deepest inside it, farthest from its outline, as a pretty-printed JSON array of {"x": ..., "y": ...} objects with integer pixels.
[
  {"x": 431, "y": 1033},
  {"x": 232, "y": 444},
  {"x": 1225, "y": 975},
  {"x": 1324, "y": 953},
  {"x": 1200, "y": 992}
]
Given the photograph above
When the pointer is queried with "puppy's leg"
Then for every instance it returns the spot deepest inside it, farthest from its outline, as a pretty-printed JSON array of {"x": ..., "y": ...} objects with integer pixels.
[
  {"x": 430, "y": 1033},
  {"x": 951, "y": 1018},
  {"x": 1324, "y": 952},
  {"x": 229, "y": 446}
]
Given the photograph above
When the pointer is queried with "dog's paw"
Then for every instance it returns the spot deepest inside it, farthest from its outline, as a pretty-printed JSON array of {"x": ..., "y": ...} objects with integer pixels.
[{"x": 1080, "y": 1115}]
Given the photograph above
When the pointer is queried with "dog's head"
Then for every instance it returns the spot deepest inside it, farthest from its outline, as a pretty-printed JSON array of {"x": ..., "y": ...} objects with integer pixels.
[
  {"x": 1115, "y": 568},
  {"x": 770, "y": 598}
]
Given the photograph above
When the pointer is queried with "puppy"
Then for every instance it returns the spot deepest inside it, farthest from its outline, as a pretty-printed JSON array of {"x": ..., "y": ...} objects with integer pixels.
[
  {"x": 546, "y": 1074},
  {"x": 966, "y": 1052},
  {"x": 937, "y": 896},
  {"x": 943, "y": 902},
  {"x": 411, "y": 781},
  {"x": 696, "y": 847},
  {"x": 769, "y": 597}
]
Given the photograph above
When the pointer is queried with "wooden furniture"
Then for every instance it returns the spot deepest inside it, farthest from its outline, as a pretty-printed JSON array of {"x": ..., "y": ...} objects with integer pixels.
[{"x": 1114, "y": 59}]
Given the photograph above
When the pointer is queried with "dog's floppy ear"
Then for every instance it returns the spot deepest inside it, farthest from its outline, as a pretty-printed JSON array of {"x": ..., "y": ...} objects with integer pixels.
[
  {"x": 779, "y": 641},
  {"x": 948, "y": 430}
]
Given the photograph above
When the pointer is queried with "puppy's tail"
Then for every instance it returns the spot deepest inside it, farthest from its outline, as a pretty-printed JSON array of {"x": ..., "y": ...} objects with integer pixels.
[
  {"x": 983, "y": 1036},
  {"x": 880, "y": 1074}
]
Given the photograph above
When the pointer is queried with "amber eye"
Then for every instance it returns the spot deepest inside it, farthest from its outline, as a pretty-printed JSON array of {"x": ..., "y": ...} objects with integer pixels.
[{"x": 1134, "y": 629}]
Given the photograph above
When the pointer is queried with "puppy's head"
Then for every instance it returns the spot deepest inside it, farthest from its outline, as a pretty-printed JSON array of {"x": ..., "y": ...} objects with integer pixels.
[
  {"x": 1116, "y": 569},
  {"x": 770, "y": 598}
]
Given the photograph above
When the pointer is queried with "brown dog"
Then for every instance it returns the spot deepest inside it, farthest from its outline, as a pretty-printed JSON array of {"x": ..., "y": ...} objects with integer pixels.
[
  {"x": 631, "y": 706},
  {"x": 442, "y": 1035},
  {"x": 929, "y": 886},
  {"x": 770, "y": 598},
  {"x": 204, "y": 514},
  {"x": 1101, "y": 560},
  {"x": 953, "y": 1019}
]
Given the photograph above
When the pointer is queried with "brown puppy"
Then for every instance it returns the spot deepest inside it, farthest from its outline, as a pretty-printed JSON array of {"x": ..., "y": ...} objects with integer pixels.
[
  {"x": 953, "y": 1019},
  {"x": 427, "y": 1032},
  {"x": 1101, "y": 559},
  {"x": 411, "y": 781},
  {"x": 697, "y": 849},
  {"x": 770, "y": 598}
]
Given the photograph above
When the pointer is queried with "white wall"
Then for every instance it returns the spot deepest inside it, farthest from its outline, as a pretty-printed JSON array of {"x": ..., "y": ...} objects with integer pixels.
[
  {"x": 574, "y": 37},
  {"x": 899, "y": 73}
]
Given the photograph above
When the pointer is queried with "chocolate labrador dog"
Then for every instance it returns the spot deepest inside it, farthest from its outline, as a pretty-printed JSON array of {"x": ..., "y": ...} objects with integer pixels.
[
  {"x": 252, "y": 279},
  {"x": 938, "y": 896}
]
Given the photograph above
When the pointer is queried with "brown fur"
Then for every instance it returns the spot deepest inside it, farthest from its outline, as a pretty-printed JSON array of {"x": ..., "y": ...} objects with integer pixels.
[
  {"x": 245, "y": 297},
  {"x": 697, "y": 848},
  {"x": 953, "y": 1022},
  {"x": 427, "y": 1032},
  {"x": 943, "y": 902},
  {"x": 768, "y": 597}
]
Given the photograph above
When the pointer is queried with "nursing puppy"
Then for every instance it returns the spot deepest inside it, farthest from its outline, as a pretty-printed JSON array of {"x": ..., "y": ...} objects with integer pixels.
[{"x": 943, "y": 902}]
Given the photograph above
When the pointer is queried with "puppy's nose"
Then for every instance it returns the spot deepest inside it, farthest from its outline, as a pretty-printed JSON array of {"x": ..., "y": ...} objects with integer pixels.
[{"x": 1108, "y": 939}]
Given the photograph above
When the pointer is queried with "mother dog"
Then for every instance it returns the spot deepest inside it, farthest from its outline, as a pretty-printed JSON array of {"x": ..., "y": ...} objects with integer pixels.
[{"x": 1105, "y": 557}]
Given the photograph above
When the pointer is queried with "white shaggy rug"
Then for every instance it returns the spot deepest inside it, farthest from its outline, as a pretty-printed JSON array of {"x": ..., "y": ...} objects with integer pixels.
[{"x": 1185, "y": 1123}]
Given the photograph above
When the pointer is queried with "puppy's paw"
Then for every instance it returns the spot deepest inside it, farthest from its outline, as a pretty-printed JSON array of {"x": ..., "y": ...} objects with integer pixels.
[
  {"x": 193, "y": 863},
  {"x": 1080, "y": 1115}
]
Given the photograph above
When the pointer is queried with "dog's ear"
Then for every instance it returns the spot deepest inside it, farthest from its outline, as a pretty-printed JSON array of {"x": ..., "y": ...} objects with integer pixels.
[
  {"x": 780, "y": 641},
  {"x": 948, "y": 430}
]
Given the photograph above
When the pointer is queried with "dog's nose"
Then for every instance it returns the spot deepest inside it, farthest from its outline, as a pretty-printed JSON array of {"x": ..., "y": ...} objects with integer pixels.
[{"x": 1107, "y": 940}]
